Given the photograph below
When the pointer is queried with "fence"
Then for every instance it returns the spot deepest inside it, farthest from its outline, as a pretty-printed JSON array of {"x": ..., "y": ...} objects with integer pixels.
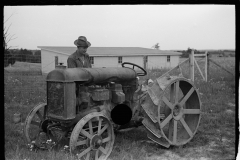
[{"x": 193, "y": 62}]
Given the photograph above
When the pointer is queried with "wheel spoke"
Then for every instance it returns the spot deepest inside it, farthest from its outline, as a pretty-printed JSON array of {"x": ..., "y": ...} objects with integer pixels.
[
  {"x": 35, "y": 123},
  {"x": 106, "y": 139},
  {"x": 166, "y": 121},
  {"x": 99, "y": 125},
  {"x": 84, "y": 152},
  {"x": 44, "y": 112},
  {"x": 39, "y": 115},
  {"x": 191, "y": 111},
  {"x": 79, "y": 143},
  {"x": 88, "y": 155},
  {"x": 170, "y": 130},
  {"x": 102, "y": 150},
  {"x": 187, "y": 96},
  {"x": 172, "y": 94},
  {"x": 176, "y": 91},
  {"x": 90, "y": 127},
  {"x": 86, "y": 134},
  {"x": 166, "y": 101},
  {"x": 186, "y": 127},
  {"x": 175, "y": 132},
  {"x": 96, "y": 155},
  {"x": 103, "y": 129}
]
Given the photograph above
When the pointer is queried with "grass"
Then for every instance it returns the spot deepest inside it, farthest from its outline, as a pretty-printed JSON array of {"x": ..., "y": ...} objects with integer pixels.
[{"x": 215, "y": 138}]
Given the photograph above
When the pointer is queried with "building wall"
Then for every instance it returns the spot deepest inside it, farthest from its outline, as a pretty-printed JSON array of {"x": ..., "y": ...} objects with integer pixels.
[
  {"x": 156, "y": 62},
  {"x": 113, "y": 61},
  {"x": 105, "y": 62},
  {"x": 153, "y": 61},
  {"x": 161, "y": 62},
  {"x": 48, "y": 60},
  {"x": 174, "y": 61},
  {"x": 136, "y": 60}
]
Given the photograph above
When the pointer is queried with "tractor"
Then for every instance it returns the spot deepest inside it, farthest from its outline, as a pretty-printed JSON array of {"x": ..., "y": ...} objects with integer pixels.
[{"x": 86, "y": 106}]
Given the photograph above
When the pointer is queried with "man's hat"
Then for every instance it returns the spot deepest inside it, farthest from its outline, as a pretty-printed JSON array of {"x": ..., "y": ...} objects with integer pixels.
[{"x": 82, "y": 42}]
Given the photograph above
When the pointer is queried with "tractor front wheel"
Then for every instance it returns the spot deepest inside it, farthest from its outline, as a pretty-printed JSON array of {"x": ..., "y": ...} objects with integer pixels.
[
  {"x": 92, "y": 137},
  {"x": 35, "y": 123}
]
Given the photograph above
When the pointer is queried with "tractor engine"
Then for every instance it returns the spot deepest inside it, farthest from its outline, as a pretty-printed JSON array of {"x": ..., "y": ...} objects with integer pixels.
[{"x": 109, "y": 98}]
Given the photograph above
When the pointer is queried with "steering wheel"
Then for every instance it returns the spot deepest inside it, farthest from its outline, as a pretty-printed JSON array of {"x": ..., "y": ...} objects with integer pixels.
[{"x": 144, "y": 73}]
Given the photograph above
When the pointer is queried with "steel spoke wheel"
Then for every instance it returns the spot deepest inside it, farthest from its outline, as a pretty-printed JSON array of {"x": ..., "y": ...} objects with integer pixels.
[
  {"x": 34, "y": 123},
  {"x": 182, "y": 107},
  {"x": 92, "y": 137}
]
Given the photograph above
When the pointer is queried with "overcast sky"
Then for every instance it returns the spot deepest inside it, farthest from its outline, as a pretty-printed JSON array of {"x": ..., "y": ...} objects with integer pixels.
[{"x": 172, "y": 26}]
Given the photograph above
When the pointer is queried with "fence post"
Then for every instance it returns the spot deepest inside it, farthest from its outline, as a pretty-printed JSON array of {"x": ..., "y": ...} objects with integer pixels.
[
  {"x": 192, "y": 65},
  {"x": 56, "y": 61},
  {"x": 206, "y": 66},
  {"x": 208, "y": 70}
]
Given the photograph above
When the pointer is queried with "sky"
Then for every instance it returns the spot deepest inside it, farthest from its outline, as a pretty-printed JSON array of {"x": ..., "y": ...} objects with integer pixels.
[{"x": 174, "y": 27}]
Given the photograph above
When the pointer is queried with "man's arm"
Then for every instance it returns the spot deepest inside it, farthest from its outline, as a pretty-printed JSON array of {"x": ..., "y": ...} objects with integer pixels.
[
  {"x": 88, "y": 59},
  {"x": 90, "y": 65},
  {"x": 71, "y": 63}
]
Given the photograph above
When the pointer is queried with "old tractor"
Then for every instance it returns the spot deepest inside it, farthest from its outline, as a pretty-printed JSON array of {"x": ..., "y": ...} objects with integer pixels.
[{"x": 85, "y": 106}]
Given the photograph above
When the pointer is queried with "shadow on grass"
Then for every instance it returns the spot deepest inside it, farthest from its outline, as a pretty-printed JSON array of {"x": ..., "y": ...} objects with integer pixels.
[
  {"x": 134, "y": 144},
  {"x": 199, "y": 140}
]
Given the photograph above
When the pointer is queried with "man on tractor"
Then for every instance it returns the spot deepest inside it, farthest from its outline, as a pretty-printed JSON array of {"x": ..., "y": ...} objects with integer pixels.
[{"x": 80, "y": 58}]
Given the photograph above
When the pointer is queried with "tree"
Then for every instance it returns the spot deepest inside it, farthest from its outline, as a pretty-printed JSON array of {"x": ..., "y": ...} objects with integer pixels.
[
  {"x": 189, "y": 50},
  {"x": 37, "y": 56},
  {"x": 156, "y": 46},
  {"x": 24, "y": 55},
  {"x": 38, "y": 52},
  {"x": 7, "y": 37}
]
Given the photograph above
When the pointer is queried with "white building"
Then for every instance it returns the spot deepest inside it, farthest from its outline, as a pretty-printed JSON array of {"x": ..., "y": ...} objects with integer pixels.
[{"x": 111, "y": 57}]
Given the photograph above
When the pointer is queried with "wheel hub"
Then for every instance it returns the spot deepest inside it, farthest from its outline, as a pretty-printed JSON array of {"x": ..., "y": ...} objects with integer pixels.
[
  {"x": 96, "y": 142},
  {"x": 44, "y": 125},
  {"x": 177, "y": 111}
]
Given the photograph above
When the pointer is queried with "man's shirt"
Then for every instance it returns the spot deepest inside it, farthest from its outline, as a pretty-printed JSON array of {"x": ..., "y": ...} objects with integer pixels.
[{"x": 76, "y": 61}]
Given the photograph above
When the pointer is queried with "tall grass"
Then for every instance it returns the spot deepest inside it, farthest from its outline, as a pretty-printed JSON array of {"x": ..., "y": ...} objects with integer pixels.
[
  {"x": 24, "y": 89},
  {"x": 215, "y": 138}
]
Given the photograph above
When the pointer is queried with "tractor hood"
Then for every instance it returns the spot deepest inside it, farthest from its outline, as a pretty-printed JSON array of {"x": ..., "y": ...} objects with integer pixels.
[{"x": 92, "y": 75}]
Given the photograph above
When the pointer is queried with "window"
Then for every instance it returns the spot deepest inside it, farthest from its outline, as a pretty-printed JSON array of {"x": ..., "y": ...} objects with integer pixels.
[
  {"x": 92, "y": 60},
  {"x": 168, "y": 58},
  {"x": 119, "y": 59}
]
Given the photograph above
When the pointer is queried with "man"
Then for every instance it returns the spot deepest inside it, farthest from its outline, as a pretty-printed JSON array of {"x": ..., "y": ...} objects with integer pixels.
[{"x": 80, "y": 59}]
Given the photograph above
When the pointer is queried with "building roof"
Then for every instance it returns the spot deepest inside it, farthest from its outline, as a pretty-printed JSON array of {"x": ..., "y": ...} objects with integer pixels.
[{"x": 110, "y": 51}]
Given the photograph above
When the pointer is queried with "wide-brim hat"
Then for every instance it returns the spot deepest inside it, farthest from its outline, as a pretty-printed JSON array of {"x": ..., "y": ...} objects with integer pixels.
[{"x": 82, "y": 42}]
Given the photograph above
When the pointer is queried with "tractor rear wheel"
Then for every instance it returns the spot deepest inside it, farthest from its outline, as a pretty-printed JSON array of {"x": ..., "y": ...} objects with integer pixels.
[
  {"x": 172, "y": 111},
  {"x": 181, "y": 107}
]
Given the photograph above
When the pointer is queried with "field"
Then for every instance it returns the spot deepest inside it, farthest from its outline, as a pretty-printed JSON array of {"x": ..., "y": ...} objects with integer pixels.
[{"x": 215, "y": 138}]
